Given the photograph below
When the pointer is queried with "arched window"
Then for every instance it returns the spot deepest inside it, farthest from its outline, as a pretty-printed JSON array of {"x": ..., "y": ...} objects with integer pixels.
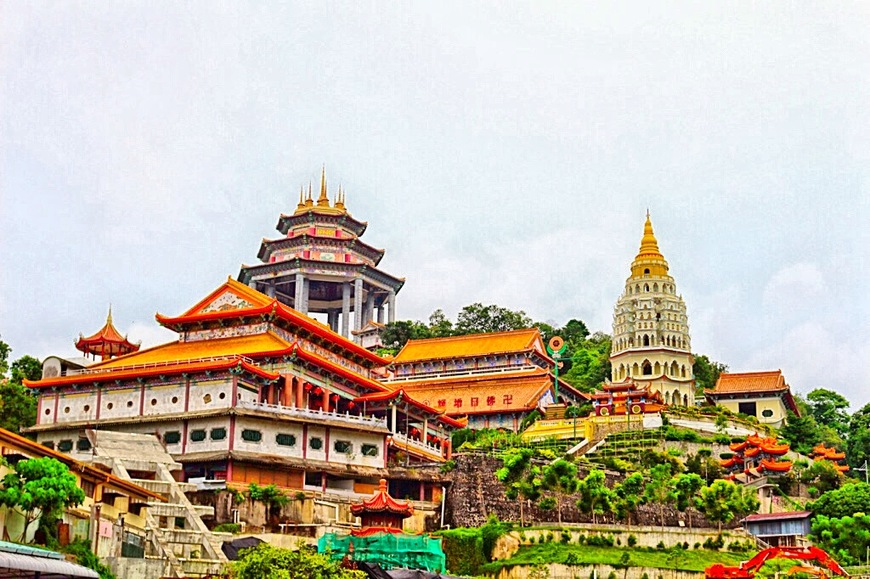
[
  {"x": 667, "y": 397},
  {"x": 647, "y": 368},
  {"x": 683, "y": 371},
  {"x": 635, "y": 370},
  {"x": 645, "y": 340},
  {"x": 675, "y": 397},
  {"x": 685, "y": 400},
  {"x": 646, "y": 287},
  {"x": 657, "y": 369},
  {"x": 646, "y": 271},
  {"x": 655, "y": 287},
  {"x": 631, "y": 342},
  {"x": 674, "y": 369}
]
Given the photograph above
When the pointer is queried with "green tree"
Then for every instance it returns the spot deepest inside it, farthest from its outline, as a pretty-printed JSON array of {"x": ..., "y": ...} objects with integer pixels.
[
  {"x": 40, "y": 486},
  {"x": 264, "y": 560},
  {"x": 595, "y": 497},
  {"x": 829, "y": 408},
  {"x": 846, "y": 538},
  {"x": 574, "y": 332},
  {"x": 396, "y": 334},
  {"x": 685, "y": 487},
  {"x": 590, "y": 363},
  {"x": 658, "y": 489},
  {"x": 706, "y": 372},
  {"x": 822, "y": 475},
  {"x": 515, "y": 476},
  {"x": 439, "y": 325},
  {"x": 723, "y": 500},
  {"x": 858, "y": 443},
  {"x": 629, "y": 495},
  {"x": 560, "y": 476},
  {"x": 801, "y": 432},
  {"x": 17, "y": 402},
  {"x": 846, "y": 500},
  {"x": 480, "y": 319}
]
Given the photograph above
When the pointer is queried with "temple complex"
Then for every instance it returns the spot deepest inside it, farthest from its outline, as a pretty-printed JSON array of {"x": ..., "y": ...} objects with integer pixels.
[
  {"x": 320, "y": 265},
  {"x": 493, "y": 379},
  {"x": 651, "y": 344},
  {"x": 252, "y": 391}
]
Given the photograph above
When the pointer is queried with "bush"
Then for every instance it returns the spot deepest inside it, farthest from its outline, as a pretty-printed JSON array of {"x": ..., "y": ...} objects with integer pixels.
[
  {"x": 645, "y": 575},
  {"x": 714, "y": 544},
  {"x": 566, "y": 537},
  {"x": 448, "y": 466},
  {"x": 81, "y": 550},
  {"x": 463, "y": 549},
  {"x": 661, "y": 546},
  {"x": 490, "y": 533},
  {"x": 612, "y": 575},
  {"x": 547, "y": 504},
  {"x": 600, "y": 540},
  {"x": 228, "y": 528},
  {"x": 573, "y": 559},
  {"x": 632, "y": 541}
]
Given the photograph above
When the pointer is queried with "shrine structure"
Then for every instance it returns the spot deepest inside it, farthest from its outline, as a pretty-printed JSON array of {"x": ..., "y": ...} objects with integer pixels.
[
  {"x": 106, "y": 343},
  {"x": 320, "y": 265},
  {"x": 651, "y": 344},
  {"x": 625, "y": 398},
  {"x": 764, "y": 395}
]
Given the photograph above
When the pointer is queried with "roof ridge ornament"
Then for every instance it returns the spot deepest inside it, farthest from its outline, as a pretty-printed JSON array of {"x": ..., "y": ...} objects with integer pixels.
[{"x": 323, "y": 200}]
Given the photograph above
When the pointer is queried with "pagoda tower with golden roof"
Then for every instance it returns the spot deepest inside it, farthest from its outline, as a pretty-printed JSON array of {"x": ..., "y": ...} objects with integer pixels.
[
  {"x": 651, "y": 343},
  {"x": 320, "y": 265}
]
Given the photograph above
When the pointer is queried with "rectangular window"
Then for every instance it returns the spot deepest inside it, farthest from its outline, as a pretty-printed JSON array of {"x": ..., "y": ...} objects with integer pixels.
[
  {"x": 218, "y": 433},
  {"x": 747, "y": 408},
  {"x": 83, "y": 445},
  {"x": 172, "y": 437},
  {"x": 343, "y": 446},
  {"x": 197, "y": 435},
  {"x": 48, "y": 444},
  {"x": 252, "y": 435},
  {"x": 370, "y": 450},
  {"x": 285, "y": 440},
  {"x": 65, "y": 445}
]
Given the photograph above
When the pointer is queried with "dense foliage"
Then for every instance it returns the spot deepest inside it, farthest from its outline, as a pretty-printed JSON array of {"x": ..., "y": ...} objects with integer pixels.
[
  {"x": 264, "y": 560},
  {"x": 846, "y": 538},
  {"x": 17, "y": 402},
  {"x": 845, "y": 501},
  {"x": 40, "y": 486}
]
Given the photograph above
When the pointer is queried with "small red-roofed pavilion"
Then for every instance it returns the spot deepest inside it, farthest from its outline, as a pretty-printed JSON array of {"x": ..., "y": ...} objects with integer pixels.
[
  {"x": 381, "y": 513},
  {"x": 107, "y": 342}
]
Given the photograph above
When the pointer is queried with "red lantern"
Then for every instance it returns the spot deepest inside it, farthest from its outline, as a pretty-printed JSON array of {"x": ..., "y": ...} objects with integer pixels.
[
  {"x": 352, "y": 405},
  {"x": 307, "y": 387},
  {"x": 335, "y": 397},
  {"x": 318, "y": 391}
]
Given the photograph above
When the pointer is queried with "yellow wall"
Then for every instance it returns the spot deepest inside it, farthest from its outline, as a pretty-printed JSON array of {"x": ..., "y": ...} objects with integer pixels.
[{"x": 774, "y": 404}]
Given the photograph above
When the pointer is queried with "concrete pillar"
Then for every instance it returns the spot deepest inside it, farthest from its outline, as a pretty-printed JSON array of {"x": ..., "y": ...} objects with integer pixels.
[
  {"x": 270, "y": 289},
  {"x": 369, "y": 309},
  {"x": 345, "y": 309},
  {"x": 381, "y": 314},
  {"x": 358, "y": 313},
  {"x": 298, "y": 295},
  {"x": 391, "y": 302},
  {"x": 425, "y": 431},
  {"x": 306, "y": 286},
  {"x": 287, "y": 392},
  {"x": 393, "y": 423},
  {"x": 332, "y": 320},
  {"x": 325, "y": 400}
]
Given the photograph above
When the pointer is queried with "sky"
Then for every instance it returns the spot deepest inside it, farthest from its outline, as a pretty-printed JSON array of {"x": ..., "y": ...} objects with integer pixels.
[{"x": 501, "y": 153}]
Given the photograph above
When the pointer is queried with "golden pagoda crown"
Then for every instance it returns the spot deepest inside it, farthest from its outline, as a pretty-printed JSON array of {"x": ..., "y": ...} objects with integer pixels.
[{"x": 649, "y": 260}]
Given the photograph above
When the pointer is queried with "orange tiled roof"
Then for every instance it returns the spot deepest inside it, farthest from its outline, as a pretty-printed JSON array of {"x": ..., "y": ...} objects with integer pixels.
[
  {"x": 485, "y": 394},
  {"x": 251, "y": 345},
  {"x": 467, "y": 346},
  {"x": 244, "y": 300},
  {"x": 745, "y": 382}
]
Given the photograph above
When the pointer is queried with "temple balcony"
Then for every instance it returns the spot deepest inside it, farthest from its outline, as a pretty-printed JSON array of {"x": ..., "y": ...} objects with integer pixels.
[
  {"x": 166, "y": 364},
  {"x": 292, "y": 411},
  {"x": 458, "y": 372},
  {"x": 406, "y": 443}
]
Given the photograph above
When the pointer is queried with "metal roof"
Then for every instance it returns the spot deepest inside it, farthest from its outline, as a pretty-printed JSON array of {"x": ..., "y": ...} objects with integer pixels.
[{"x": 25, "y": 562}]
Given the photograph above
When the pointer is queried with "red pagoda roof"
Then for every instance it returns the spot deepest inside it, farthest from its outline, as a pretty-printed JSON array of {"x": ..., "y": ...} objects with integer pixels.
[
  {"x": 107, "y": 342},
  {"x": 383, "y": 502}
]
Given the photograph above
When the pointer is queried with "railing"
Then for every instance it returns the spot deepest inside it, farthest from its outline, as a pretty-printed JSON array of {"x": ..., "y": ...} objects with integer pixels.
[
  {"x": 315, "y": 414},
  {"x": 410, "y": 442},
  {"x": 458, "y": 372},
  {"x": 165, "y": 364}
]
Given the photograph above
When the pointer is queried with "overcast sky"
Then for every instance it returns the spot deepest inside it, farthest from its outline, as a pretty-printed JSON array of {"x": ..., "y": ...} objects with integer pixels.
[{"x": 501, "y": 153}]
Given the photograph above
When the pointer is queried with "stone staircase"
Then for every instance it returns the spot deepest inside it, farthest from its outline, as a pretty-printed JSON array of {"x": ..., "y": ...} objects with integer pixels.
[{"x": 177, "y": 535}]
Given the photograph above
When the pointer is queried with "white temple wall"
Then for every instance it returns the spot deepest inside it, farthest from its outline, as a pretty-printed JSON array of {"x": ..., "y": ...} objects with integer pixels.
[{"x": 210, "y": 394}]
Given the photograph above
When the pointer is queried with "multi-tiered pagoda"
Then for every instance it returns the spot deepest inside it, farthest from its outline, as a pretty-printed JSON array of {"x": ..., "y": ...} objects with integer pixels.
[{"x": 320, "y": 265}]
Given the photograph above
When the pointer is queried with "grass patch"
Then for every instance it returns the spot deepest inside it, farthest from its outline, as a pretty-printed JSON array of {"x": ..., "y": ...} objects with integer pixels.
[{"x": 683, "y": 560}]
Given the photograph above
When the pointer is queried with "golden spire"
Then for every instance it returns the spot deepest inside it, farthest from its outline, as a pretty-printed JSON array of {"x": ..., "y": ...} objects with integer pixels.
[
  {"x": 323, "y": 200},
  {"x": 301, "y": 204},
  {"x": 309, "y": 201},
  {"x": 649, "y": 260},
  {"x": 339, "y": 199},
  {"x": 109, "y": 317}
]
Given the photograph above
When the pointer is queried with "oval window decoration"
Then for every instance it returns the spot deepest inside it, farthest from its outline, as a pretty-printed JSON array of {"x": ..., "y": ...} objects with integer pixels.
[
  {"x": 636, "y": 409},
  {"x": 315, "y": 443},
  {"x": 604, "y": 411}
]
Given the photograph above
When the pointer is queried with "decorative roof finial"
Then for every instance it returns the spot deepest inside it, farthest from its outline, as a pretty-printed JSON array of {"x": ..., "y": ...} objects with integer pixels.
[
  {"x": 109, "y": 317},
  {"x": 323, "y": 200},
  {"x": 309, "y": 201},
  {"x": 339, "y": 199},
  {"x": 301, "y": 204}
]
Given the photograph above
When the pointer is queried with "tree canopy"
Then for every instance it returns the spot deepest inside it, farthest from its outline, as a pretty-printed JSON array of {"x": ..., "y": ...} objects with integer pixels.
[
  {"x": 17, "y": 402},
  {"x": 40, "y": 486},
  {"x": 264, "y": 560}
]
